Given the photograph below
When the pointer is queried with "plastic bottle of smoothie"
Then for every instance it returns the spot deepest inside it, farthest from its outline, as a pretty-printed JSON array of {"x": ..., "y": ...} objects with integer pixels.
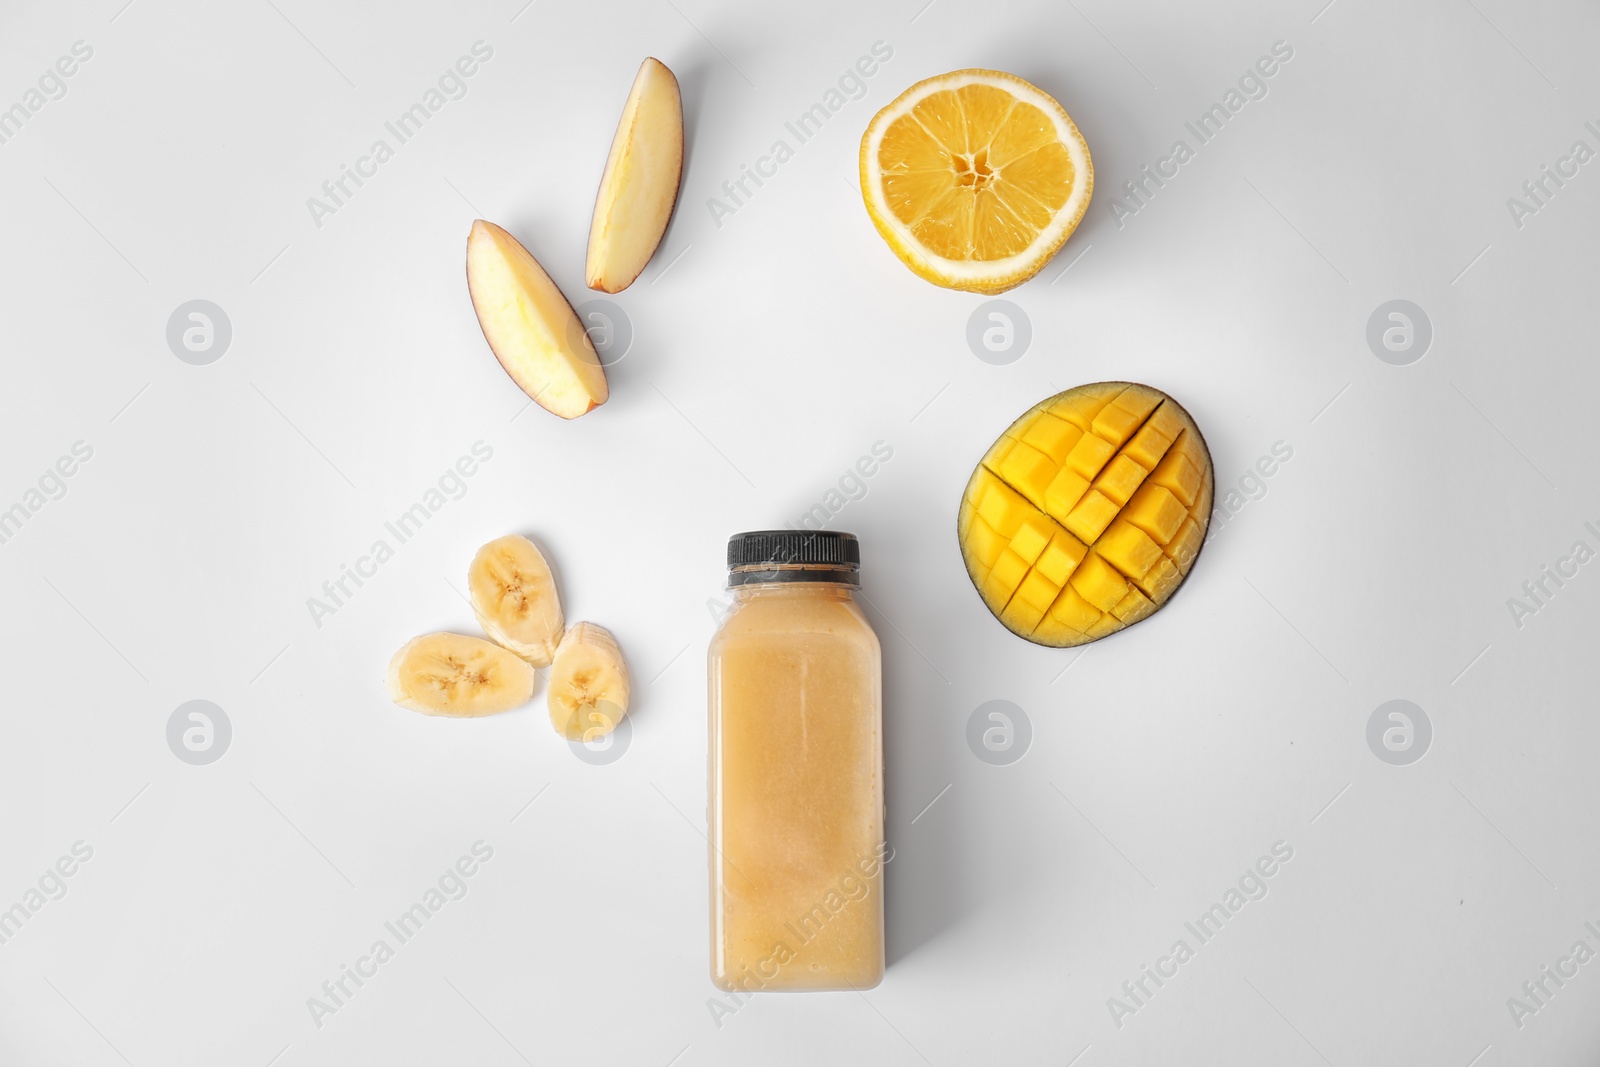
[{"x": 796, "y": 770}]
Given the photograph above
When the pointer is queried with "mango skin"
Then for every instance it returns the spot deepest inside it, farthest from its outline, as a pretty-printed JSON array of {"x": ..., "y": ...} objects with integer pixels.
[{"x": 1088, "y": 513}]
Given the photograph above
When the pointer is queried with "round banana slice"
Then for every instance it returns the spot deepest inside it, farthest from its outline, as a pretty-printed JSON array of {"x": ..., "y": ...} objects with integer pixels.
[
  {"x": 514, "y": 597},
  {"x": 588, "y": 693},
  {"x": 458, "y": 676}
]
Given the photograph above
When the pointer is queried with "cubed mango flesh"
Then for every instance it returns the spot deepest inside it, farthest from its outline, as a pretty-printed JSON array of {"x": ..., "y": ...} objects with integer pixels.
[
  {"x": 1099, "y": 582},
  {"x": 1065, "y": 492},
  {"x": 1088, "y": 513},
  {"x": 1052, "y": 436},
  {"x": 1128, "y": 548},
  {"x": 1028, "y": 471},
  {"x": 1089, "y": 519},
  {"x": 1120, "y": 478},
  {"x": 1090, "y": 454},
  {"x": 1156, "y": 511}
]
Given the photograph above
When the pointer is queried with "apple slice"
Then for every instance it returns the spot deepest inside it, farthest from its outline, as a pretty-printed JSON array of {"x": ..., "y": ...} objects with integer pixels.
[
  {"x": 640, "y": 184},
  {"x": 529, "y": 325}
]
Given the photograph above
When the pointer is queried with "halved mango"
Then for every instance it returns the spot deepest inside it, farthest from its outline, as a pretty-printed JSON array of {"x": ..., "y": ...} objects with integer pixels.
[{"x": 1088, "y": 513}]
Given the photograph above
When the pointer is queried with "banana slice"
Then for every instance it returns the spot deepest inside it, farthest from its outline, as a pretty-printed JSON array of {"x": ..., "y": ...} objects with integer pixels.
[
  {"x": 514, "y": 597},
  {"x": 458, "y": 676},
  {"x": 588, "y": 693}
]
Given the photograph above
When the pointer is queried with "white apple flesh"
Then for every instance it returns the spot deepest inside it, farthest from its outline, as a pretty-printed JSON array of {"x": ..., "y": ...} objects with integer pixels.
[
  {"x": 530, "y": 326},
  {"x": 640, "y": 184}
]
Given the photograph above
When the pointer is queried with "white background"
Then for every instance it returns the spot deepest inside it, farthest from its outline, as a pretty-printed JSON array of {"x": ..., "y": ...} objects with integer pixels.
[{"x": 769, "y": 353}]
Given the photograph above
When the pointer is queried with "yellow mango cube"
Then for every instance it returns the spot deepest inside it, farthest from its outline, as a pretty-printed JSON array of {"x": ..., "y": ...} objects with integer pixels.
[
  {"x": 1167, "y": 420},
  {"x": 978, "y": 486},
  {"x": 1020, "y": 616},
  {"x": 1052, "y": 436},
  {"x": 1104, "y": 627},
  {"x": 1004, "y": 577},
  {"x": 1185, "y": 546},
  {"x": 1120, "y": 478},
  {"x": 1037, "y": 591},
  {"x": 1032, "y": 536},
  {"x": 1080, "y": 406},
  {"x": 1192, "y": 449},
  {"x": 1059, "y": 560},
  {"x": 1088, "y": 520},
  {"x": 1147, "y": 446},
  {"x": 1134, "y": 606},
  {"x": 1099, "y": 582},
  {"x": 1159, "y": 581},
  {"x": 1140, "y": 399},
  {"x": 1051, "y": 631},
  {"x": 1071, "y": 610},
  {"x": 1128, "y": 548},
  {"x": 1115, "y": 424},
  {"x": 1010, "y": 569},
  {"x": 1003, "y": 509},
  {"x": 1156, "y": 511},
  {"x": 1064, "y": 493},
  {"x": 1200, "y": 510},
  {"x": 1028, "y": 471},
  {"x": 1118, "y": 419},
  {"x": 1089, "y": 455},
  {"x": 982, "y": 543},
  {"x": 998, "y": 451},
  {"x": 1176, "y": 473},
  {"x": 1030, "y": 602}
]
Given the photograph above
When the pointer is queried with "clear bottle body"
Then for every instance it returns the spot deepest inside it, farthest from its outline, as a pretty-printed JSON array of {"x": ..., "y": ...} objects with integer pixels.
[{"x": 795, "y": 795}]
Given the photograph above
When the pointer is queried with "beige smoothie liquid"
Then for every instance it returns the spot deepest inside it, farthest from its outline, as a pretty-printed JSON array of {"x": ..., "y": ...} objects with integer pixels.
[{"x": 796, "y": 771}]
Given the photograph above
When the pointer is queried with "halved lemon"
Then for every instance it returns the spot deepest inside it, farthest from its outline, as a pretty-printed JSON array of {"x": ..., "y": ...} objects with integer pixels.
[{"x": 975, "y": 178}]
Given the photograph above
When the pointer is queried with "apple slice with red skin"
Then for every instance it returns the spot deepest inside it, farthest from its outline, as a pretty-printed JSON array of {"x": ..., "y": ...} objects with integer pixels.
[
  {"x": 640, "y": 183},
  {"x": 531, "y": 328}
]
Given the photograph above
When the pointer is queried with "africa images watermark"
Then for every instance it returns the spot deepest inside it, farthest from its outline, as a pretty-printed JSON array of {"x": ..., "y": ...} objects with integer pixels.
[
  {"x": 52, "y": 485},
  {"x": 51, "y": 85},
  {"x": 452, "y": 85},
  {"x": 1538, "y": 591},
  {"x": 1537, "y": 992},
  {"x": 1252, "y": 485},
  {"x": 52, "y": 886},
  {"x": 852, "y": 85},
  {"x": 451, "y": 485},
  {"x": 1252, "y": 885},
  {"x": 852, "y": 887},
  {"x": 1542, "y": 188},
  {"x": 1138, "y": 192},
  {"x": 851, "y": 486},
  {"x": 451, "y": 885}
]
